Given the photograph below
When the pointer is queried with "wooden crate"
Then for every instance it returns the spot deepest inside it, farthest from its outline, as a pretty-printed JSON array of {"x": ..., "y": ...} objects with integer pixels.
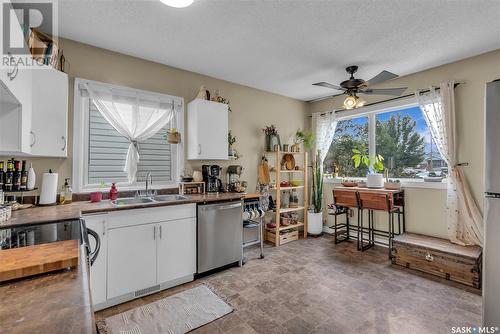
[
  {"x": 285, "y": 237},
  {"x": 439, "y": 257}
]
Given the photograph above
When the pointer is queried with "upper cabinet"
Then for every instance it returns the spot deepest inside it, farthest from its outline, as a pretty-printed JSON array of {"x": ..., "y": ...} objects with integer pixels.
[
  {"x": 35, "y": 121},
  {"x": 207, "y": 130}
]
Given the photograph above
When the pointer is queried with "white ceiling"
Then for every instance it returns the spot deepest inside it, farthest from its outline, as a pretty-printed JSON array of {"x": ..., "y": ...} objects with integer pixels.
[{"x": 284, "y": 46}]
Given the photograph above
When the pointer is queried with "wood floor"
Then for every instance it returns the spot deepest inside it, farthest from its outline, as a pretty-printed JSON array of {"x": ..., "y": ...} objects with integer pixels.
[{"x": 314, "y": 286}]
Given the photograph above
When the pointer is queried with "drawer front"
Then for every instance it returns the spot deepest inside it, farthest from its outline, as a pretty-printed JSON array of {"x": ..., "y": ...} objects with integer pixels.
[
  {"x": 449, "y": 266},
  {"x": 124, "y": 218}
]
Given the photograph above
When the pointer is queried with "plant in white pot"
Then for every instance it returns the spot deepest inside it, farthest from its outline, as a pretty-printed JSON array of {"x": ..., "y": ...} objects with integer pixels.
[
  {"x": 374, "y": 178},
  {"x": 315, "y": 212}
]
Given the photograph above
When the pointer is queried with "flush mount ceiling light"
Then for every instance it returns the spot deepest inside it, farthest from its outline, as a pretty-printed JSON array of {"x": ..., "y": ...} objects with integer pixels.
[{"x": 177, "y": 3}]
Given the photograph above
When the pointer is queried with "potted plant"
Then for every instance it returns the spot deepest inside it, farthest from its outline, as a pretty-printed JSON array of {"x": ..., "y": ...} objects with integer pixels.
[
  {"x": 307, "y": 138},
  {"x": 272, "y": 137},
  {"x": 96, "y": 196},
  {"x": 315, "y": 212},
  {"x": 230, "y": 141},
  {"x": 374, "y": 179},
  {"x": 173, "y": 136}
]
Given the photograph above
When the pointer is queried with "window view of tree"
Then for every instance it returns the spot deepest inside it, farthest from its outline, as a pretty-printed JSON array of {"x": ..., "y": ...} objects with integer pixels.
[
  {"x": 350, "y": 134},
  {"x": 402, "y": 138}
]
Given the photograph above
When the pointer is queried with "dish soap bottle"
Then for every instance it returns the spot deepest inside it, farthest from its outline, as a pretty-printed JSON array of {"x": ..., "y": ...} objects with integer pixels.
[
  {"x": 31, "y": 178},
  {"x": 66, "y": 196},
  {"x": 113, "y": 192}
]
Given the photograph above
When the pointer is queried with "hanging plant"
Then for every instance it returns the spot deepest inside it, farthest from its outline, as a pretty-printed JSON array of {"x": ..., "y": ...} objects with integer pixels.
[{"x": 173, "y": 136}]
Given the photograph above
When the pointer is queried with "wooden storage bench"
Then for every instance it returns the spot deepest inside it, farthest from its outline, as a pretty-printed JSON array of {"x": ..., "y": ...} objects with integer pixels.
[{"x": 439, "y": 257}]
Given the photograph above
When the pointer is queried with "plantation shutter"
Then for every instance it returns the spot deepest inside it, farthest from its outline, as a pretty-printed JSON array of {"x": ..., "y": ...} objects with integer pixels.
[{"x": 108, "y": 151}]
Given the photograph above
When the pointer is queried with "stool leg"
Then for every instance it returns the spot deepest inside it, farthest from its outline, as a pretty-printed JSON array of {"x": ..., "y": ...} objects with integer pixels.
[
  {"x": 336, "y": 241},
  {"x": 391, "y": 232},
  {"x": 360, "y": 228},
  {"x": 372, "y": 229},
  {"x": 347, "y": 224}
]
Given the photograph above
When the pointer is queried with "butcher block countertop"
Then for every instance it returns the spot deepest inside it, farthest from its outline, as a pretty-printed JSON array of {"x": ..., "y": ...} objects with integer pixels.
[
  {"x": 75, "y": 210},
  {"x": 54, "y": 303}
]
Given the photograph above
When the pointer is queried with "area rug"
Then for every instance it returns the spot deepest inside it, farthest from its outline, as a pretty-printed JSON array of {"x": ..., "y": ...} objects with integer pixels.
[{"x": 175, "y": 314}]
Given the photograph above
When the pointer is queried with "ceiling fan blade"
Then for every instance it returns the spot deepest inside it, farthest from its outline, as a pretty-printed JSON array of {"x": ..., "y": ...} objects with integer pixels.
[
  {"x": 381, "y": 77},
  {"x": 327, "y": 85},
  {"x": 324, "y": 98},
  {"x": 384, "y": 91}
]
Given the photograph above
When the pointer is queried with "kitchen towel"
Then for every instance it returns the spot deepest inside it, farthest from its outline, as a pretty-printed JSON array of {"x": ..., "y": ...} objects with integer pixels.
[{"x": 180, "y": 313}]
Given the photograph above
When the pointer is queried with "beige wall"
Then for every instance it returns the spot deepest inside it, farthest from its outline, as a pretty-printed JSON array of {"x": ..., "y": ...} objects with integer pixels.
[
  {"x": 426, "y": 207},
  {"x": 252, "y": 108}
]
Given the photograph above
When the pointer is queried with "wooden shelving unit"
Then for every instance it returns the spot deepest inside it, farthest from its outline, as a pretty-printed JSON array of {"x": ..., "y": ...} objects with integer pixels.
[{"x": 273, "y": 234}]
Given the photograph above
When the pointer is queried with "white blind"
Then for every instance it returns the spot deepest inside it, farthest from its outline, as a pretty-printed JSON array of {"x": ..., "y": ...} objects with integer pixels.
[{"x": 108, "y": 150}]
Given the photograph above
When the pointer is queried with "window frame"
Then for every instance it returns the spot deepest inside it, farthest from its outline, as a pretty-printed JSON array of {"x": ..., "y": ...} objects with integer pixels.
[
  {"x": 81, "y": 143},
  {"x": 371, "y": 112}
]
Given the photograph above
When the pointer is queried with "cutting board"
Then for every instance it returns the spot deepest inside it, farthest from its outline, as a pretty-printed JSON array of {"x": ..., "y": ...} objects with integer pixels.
[
  {"x": 264, "y": 177},
  {"x": 38, "y": 259}
]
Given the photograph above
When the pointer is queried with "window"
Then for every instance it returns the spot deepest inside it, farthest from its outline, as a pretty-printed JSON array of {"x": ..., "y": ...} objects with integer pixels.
[
  {"x": 350, "y": 134},
  {"x": 400, "y": 135},
  {"x": 100, "y": 150}
]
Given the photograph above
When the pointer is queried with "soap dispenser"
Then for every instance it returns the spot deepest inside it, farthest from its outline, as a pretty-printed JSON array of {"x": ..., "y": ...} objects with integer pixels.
[{"x": 66, "y": 196}]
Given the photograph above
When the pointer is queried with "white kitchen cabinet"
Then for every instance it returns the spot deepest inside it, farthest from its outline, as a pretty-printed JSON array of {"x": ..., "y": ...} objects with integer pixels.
[
  {"x": 176, "y": 249},
  {"x": 15, "y": 117},
  {"x": 38, "y": 126},
  {"x": 49, "y": 125},
  {"x": 207, "y": 130},
  {"x": 131, "y": 259},
  {"x": 98, "y": 270}
]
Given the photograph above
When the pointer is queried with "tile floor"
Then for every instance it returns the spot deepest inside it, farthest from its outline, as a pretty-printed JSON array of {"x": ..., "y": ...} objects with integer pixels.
[{"x": 314, "y": 286}]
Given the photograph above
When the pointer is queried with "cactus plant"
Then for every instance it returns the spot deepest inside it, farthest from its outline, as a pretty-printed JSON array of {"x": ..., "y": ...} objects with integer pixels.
[{"x": 317, "y": 184}]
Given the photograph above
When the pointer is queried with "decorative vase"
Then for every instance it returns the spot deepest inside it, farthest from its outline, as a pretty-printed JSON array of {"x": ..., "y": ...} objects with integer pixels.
[
  {"x": 271, "y": 141},
  {"x": 375, "y": 180},
  {"x": 314, "y": 223}
]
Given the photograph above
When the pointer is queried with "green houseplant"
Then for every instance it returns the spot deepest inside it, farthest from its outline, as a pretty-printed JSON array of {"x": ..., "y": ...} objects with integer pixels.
[
  {"x": 305, "y": 137},
  {"x": 375, "y": 165},
  {"x": 315, "y": 212}
]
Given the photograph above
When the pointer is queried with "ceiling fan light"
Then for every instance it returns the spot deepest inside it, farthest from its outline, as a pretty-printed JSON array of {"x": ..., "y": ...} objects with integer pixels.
[
  {"x": 360, "y": 102},
  {"x": 350, "y": 102},
  {"x": 177, "y": 3}
]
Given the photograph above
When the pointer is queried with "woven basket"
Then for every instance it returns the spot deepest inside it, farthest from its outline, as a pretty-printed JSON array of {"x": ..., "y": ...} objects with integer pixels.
[{"x": 174, "y": 138}]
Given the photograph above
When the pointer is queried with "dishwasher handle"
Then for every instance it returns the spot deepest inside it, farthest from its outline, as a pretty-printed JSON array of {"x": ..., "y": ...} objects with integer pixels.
[{"x": 220, "y": 206}]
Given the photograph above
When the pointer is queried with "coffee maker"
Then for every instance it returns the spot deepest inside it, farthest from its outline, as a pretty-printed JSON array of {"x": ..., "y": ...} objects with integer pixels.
[{"x": 211, "y": 175}]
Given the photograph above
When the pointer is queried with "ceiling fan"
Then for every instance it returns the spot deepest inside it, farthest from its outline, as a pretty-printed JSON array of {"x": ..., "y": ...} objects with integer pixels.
[{"x": 354, "y": 86}]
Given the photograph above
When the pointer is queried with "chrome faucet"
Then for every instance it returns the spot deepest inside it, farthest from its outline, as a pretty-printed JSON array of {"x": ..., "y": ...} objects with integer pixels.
[{"x": 147, "y": 192}]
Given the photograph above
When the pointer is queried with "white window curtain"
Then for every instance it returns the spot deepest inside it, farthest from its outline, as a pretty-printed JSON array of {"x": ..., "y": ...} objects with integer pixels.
[
  {"x": 135, "y": 115},
  {"x": 325, "y": 130},
  {"x": 465, "y": 222}
]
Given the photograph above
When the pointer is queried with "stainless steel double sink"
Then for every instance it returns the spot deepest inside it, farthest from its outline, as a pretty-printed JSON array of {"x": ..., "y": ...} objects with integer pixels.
[{"x": 148, "y": 199}]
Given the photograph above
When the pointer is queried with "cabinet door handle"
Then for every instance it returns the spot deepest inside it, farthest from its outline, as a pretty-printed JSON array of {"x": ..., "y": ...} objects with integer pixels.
[
  {"x": 160, "y": 232},
  {"x": 199, "y": 149},
  {"x": 33, "y": 138},
  {"x": 154, "y": 232},
  {"x": 104, "y": 228},
  {"x": 64, "y": 143}
]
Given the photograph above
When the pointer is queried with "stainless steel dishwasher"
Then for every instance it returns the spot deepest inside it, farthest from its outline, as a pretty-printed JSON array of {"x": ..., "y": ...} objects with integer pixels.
[{"x": 220, "y": 235}]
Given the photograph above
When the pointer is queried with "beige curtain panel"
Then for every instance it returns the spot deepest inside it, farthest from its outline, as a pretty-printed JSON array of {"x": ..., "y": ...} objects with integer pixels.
[{"x": 465, "y": 222}]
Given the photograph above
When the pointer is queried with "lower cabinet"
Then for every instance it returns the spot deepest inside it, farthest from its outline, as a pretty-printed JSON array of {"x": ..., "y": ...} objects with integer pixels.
[
  {"x": 176, "y": 249},
  {"x": 131, "y": 259},
  {"x": 142, "y": 251},
  {"x": 98, "y": 270}
]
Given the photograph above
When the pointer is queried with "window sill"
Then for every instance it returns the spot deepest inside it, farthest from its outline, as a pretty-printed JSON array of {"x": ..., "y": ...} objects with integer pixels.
[
  {"x": 129, "y": 188},
  {"x": 406, "y": 183}
]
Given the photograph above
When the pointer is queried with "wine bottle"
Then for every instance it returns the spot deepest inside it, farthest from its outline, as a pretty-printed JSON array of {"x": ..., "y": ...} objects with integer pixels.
[
  {"x": 9, "y": 176},
  {"x": 2, "y": 175},
  {"x": 24, "y": 176},
  {"x": 16, "y": 185}
]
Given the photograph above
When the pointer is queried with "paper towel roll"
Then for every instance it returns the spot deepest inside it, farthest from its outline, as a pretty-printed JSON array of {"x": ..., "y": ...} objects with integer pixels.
[{"x": 48, "y": 195}]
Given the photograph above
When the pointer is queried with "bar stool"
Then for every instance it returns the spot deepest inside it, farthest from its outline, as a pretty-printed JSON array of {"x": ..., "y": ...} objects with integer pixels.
[
  {"x": 372, "y": 201},
  {"x": 343, "y": 200}
]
